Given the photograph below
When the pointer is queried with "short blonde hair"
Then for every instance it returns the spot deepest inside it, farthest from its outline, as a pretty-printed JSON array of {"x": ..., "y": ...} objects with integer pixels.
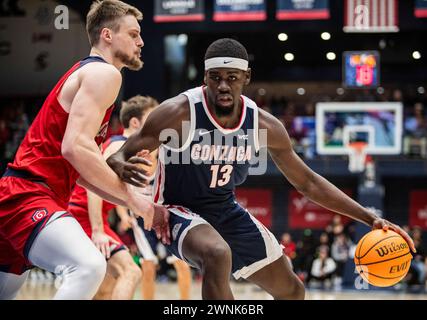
[
  {"x": 105, "y": 14},
  {"x": 136, "y": 107}
]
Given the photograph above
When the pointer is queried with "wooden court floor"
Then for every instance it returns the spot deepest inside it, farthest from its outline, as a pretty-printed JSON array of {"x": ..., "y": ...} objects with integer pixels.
[{"x": 242, "y": 291}]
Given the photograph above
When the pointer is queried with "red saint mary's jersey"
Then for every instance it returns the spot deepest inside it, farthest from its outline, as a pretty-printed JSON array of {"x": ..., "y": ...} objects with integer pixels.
[
  {"x": 40, "y": 152},
  {"x": 78, "y": 205}
]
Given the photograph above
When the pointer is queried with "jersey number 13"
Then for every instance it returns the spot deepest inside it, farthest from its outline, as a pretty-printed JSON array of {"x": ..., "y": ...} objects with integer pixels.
[{"x": 220, "y": 176}]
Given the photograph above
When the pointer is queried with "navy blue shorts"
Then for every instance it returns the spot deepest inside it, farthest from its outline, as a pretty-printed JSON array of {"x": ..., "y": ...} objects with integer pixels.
[{"x": 252, "y": 245}]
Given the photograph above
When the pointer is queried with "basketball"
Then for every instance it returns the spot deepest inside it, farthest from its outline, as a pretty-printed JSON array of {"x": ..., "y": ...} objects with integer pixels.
[{"x": 382, "y": 258}]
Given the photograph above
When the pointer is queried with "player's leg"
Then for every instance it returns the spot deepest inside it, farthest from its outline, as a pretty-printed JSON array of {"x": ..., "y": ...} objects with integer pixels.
[
  {"x": 197, "y": 242},
  {"x": 10, "y": 262},
  {"x": 105, "y": 291},
  {"x": 278, "y": 279},
  {"x": 62, "y": 247},
  {"x": 258, "y": 257},
  {"x": 148, "y": 285},
  {"x": 204, "y": 247},
  {"x": 126, "y": 274},
  {"x": 10, "y": 284},
  {"x": 183, "y": 273},
  {"x": 147, "y": 246}
]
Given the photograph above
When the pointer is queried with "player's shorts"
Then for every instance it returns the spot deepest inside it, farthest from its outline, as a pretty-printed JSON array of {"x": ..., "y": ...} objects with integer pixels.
[
  {"x": 252, "y": 245},
  {"x": 82, "y": 216},
  {"x": 26, "y": 207},
  {"x": 147, "y": 242}
]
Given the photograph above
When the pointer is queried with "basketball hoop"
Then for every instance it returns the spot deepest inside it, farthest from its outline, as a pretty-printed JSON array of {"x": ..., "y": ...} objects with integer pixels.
[{"x": 357, "y": 156}]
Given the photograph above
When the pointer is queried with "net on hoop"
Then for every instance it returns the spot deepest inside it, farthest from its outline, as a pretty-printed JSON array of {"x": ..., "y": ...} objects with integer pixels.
[{"x": 357, "y": 156}]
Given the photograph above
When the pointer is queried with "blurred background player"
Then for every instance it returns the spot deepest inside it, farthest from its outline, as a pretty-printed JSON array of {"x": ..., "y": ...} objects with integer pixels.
[
  {"x": 133, "y": 114},
  {"x": 148, "y": 243},
  {"x": 123, "y": 275},
  {"x": 60, "y": 148}
]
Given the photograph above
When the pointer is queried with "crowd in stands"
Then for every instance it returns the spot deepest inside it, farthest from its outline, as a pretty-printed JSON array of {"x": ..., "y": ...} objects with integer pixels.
[{"x": 298, "y": 116}]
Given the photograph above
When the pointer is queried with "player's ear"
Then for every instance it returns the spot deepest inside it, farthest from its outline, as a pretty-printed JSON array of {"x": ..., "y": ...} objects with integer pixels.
[
  {"x": 134, "y": 122},
  {"x": 248, "y": 74},
  {"x": 106, "y": 34}
]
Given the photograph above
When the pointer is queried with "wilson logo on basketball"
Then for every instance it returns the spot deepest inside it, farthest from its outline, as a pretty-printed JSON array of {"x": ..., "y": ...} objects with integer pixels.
[
  {"x": 39, "y": 214},
  {"x": 391, "y": 248}
]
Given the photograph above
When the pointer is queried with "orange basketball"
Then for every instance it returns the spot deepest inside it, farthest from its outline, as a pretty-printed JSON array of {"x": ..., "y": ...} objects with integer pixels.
[{"x": 382, "y": 258}]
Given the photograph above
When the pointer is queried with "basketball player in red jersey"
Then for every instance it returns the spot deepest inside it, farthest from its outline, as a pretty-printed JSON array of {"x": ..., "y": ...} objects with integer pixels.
[{"x": 60, "y": 149}]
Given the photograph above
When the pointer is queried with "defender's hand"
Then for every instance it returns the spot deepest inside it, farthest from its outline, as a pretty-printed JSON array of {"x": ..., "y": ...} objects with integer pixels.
[
  {"x": 161, "y": 224},
  {"x": 385, "y": 225},
  {"x": 102, "y": 242},
  {"x": 141, "y": 206}
]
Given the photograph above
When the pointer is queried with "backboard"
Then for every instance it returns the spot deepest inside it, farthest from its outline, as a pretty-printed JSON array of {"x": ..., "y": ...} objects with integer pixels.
[{"x": 379, "y": 124}]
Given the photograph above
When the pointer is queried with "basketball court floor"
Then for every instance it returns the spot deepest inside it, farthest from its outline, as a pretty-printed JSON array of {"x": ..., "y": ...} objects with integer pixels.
[{"x": 242, "y": 291}]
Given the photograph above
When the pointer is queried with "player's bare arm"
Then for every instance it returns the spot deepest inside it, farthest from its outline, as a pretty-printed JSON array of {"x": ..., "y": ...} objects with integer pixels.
[
  {"x": 311, "y": 184},
  {"x": 168, "y": 115},
  {"x": 99, "y": 237},
  {"x": 86, "y": 113}
]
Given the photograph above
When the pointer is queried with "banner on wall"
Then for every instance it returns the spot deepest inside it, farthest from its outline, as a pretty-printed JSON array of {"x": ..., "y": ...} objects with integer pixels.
[
  {"x": 418, "y": 209},
  {"x": 371, "y": 16},
  {"x": 178, "y": 11},
  {"x": 259, "y": 203},
  {"x": 302, "y": 9},
  {"x": 306, "y": 214},
  {"x": 239, "y": 10},
  {"x": 420, "y": 8}
]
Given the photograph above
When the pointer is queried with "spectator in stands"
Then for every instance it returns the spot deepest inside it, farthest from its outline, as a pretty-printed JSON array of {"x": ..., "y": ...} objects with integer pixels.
[
  {"x": 305, "y": 251},
  {"x": 324, "y": 240},
  {"x": 335, "y": 228},
  {"x": 340, "y": 252},
  {"x": 289, "y": 247},
  {"x": 415, "y": 139},
  {"x": 416, "y": 277},
  {"x": 323, "y": 268},
  {"x": 396, "y": 95}
]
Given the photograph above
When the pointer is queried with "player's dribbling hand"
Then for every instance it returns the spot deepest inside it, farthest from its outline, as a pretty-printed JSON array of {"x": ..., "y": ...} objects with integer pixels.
[
  {"x": 102, "y": 242},
  {"x": 385, "y": 225}
]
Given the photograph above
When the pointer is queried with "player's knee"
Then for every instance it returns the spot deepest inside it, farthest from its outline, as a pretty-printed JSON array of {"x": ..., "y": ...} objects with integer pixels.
[
  {"x": 133, "y": 272},
  {"x": 293, "y": 290},
  {"x": 93, "y": 269},
  {"x": 217, "y": 254}
]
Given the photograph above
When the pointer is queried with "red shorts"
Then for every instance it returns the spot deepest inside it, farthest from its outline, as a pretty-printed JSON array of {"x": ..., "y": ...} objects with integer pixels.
[
  {"x": 82, "y": 216},
  {"x": 25, "y": 209}
]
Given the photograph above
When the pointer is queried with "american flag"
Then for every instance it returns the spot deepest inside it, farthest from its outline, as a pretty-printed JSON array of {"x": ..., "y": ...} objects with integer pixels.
[{"x": 371, "y": 16}]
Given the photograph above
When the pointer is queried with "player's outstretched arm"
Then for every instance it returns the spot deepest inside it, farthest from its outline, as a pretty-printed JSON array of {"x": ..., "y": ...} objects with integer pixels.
[
  {"x": 167, "y": 116},
  {"x": 311, "y": 184}
]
